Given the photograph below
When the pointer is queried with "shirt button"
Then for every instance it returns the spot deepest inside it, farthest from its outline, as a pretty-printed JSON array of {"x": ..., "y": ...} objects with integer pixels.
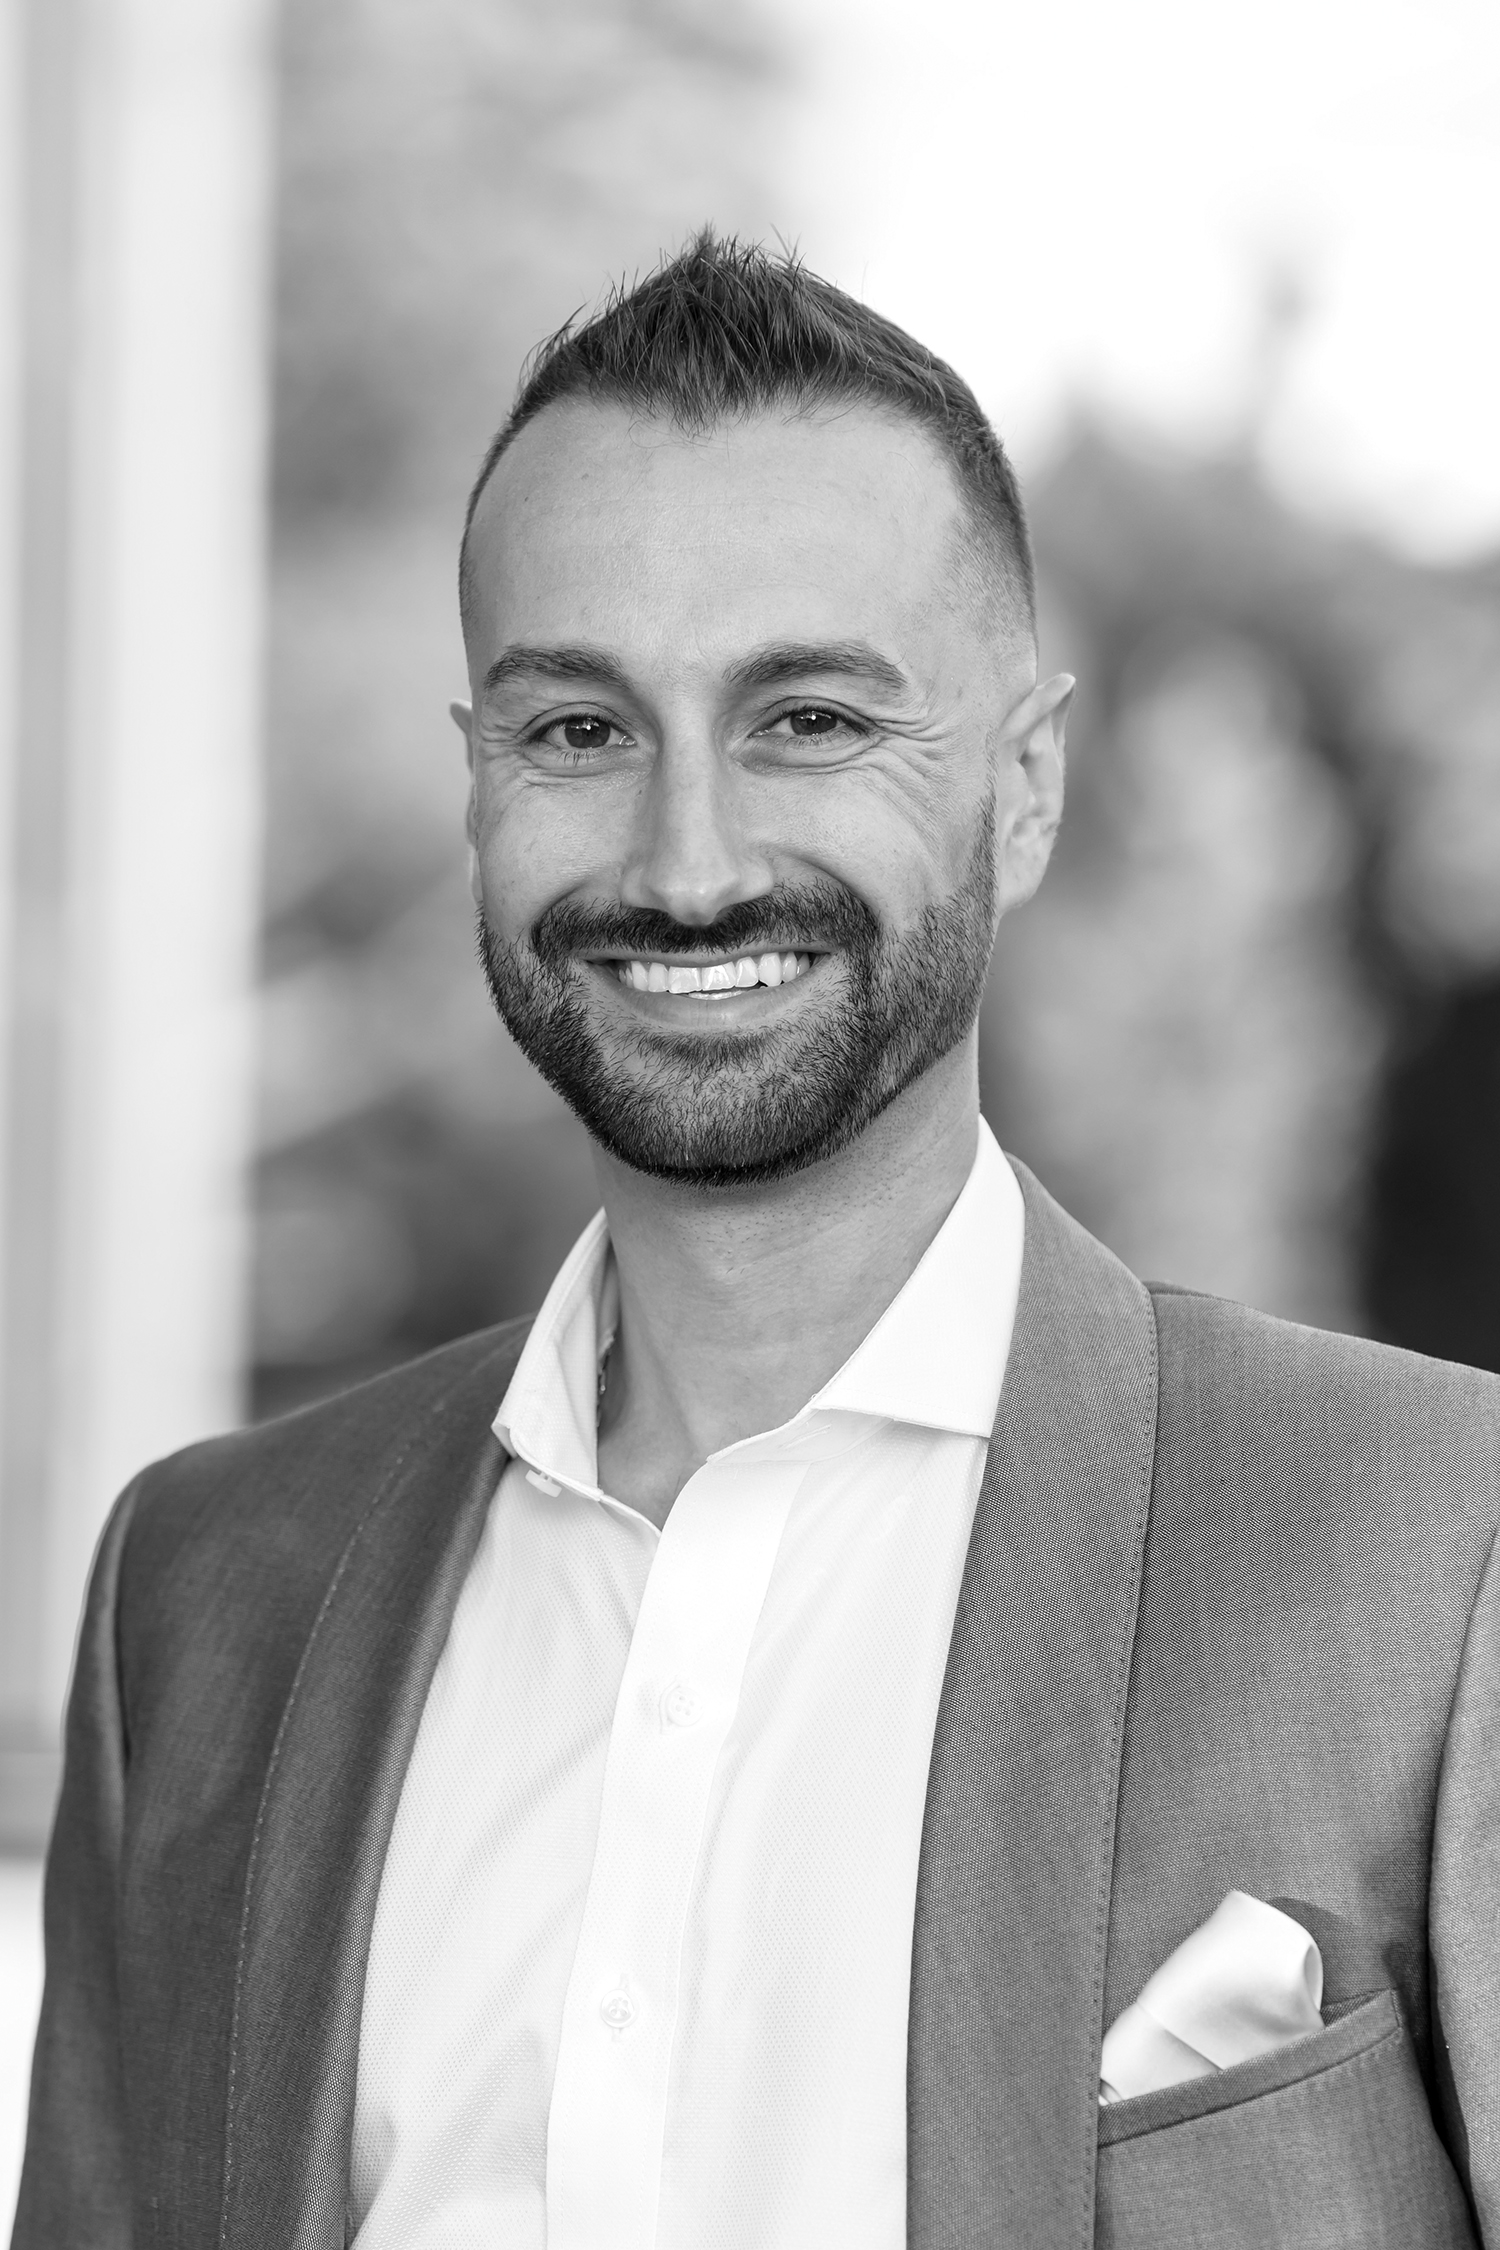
[
  {"x": 618, "y": 2010},
  {"x": 680, "y": 1706}
]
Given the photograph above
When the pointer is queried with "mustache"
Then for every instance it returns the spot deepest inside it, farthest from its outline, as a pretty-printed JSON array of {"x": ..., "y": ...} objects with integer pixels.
[{"x": 791, "y": 917}]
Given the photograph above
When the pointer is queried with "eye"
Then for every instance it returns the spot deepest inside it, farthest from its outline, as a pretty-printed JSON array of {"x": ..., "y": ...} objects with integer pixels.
[
  {"x": 816, "y": 723},
  {"x": 580, "y": 735}
]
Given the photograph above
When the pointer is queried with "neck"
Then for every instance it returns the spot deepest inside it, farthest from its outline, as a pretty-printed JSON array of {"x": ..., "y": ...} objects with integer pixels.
[{"x": 737, "y": 1305}]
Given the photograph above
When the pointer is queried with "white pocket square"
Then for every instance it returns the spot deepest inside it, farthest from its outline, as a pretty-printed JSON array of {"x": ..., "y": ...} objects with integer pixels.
[{"x": 1248, "y": 1980}]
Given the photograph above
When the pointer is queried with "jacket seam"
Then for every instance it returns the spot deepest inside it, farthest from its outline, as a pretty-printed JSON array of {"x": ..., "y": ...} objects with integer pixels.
[
  {"x": 1123, "y": 1665},
  {"x": 1437, "y": 2031},
  {"x": 126, "y": 1512},
  {"x": 1463, "y": 1647}
]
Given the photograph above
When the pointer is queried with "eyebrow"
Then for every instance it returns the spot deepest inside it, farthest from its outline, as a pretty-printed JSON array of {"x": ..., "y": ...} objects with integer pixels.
[
  {"x": 772, "y": 666},
  {"x": 782, "y": 661},
  {"x": 566, "y": 664}
]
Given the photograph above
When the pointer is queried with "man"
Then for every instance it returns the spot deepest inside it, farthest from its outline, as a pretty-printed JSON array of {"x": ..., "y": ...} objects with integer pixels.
[{"x": 707, "y": 1767}]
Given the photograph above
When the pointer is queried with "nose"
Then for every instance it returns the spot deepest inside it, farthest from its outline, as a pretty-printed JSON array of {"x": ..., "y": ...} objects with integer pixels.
[{"x": 689, "y": 855}]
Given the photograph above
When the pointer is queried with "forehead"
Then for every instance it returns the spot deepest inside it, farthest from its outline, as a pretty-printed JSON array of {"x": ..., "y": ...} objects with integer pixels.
[{"x": 601, "y": 523}]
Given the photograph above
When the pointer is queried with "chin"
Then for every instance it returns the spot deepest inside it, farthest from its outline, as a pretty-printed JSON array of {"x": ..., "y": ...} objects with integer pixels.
[{"x": 707, "y": 1136}]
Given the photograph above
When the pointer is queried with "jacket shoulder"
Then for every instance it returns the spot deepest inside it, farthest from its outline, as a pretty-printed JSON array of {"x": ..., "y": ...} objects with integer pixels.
[
  {"x": 1220, "y": 1328},
  {"x": 288, "y": 1492},
  {"x": 364, "y": 1417},
  {"x": 1355, "y": 1413}
]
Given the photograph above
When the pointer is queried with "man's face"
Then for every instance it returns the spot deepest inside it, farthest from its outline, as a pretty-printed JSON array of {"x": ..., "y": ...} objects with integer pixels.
[{"x": 754, "y": 769}]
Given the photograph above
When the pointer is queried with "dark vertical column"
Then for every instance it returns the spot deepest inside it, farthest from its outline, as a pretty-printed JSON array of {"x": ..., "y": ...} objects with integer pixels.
[{"x": 1432, "y": 1221}]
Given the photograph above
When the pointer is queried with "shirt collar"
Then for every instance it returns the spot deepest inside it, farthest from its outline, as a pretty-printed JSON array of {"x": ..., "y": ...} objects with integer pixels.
[
  {"x": 550, "y": 1412},
  {"x": 936, "y": 1356}
]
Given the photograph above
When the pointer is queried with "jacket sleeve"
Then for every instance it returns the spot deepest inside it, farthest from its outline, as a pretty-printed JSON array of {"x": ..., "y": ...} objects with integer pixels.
[
  {"x": 1464, "y": 1912},
  {"x": 75, "y": 2180}
]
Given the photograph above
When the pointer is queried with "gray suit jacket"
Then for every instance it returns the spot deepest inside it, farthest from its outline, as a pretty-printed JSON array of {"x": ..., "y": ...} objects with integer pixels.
[{"x": 1228, "y": 1620}]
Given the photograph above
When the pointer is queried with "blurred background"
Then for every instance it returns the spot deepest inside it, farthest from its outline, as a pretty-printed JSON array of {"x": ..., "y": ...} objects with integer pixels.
[{"x": 1224, "y": 279}]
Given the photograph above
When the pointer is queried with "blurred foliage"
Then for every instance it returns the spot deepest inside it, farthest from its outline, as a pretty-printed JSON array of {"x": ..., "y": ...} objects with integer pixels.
[
  {"x": 1223, "y": 1028},
  {"x": 1249, "y": 1030},
  {"x": 453, "y": 178}
]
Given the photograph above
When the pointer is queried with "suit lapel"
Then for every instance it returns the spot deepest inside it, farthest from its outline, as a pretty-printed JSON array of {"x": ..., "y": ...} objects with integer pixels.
[
  {"x": 1013, "y": 1889},
  {"x": 325, "y": 1820}
]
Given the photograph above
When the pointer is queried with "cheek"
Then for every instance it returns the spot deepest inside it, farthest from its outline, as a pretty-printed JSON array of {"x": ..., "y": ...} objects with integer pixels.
[
  {"x": 535, "y": 845},
  {"x": 899, "y": 845}
]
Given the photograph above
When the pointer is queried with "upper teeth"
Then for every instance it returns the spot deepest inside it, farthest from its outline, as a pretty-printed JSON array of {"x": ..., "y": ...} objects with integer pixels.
[{"x": 715, "y": 976}]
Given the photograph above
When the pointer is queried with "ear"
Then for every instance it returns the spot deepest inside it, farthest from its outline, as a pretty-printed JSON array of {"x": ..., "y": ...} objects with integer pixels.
[
  {"x": 462, "y": 715},
  {"x": 1031, "y": 787}
]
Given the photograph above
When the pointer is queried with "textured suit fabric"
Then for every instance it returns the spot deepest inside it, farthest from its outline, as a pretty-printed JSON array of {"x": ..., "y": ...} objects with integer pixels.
[
  {"x": 1225, "y": 1622},
  {"x": 1013, "y": 1889},
  {"x": 1322, "y": 1517},
  {"x": 263, "y": 1618},
  {"x": 1325, "y": 2145},
  {"x": 77, "y": 2185},
  {"x": 1463, "y": 1910}
]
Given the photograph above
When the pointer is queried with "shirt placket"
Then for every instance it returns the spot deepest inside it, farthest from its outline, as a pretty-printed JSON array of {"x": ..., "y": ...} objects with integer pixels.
[{"x": 678, "y": 1698}]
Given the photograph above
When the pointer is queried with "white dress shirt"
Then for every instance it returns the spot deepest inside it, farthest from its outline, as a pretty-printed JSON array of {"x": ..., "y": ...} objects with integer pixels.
[{"x": 641, "y": 1958}]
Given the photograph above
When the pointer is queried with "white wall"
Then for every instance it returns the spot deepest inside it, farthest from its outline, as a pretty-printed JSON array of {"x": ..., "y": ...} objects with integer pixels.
[
  {"x": 133, "y": 794},
  {"x": 20, "y": 1996}
]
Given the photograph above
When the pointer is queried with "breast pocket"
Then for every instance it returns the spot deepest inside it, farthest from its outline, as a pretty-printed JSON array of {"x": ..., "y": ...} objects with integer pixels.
[{"x": 1324, "y": 2145}]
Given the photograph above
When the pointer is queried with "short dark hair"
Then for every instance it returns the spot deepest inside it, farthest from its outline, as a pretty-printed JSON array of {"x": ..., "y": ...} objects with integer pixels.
[{"x": 728, "y": 328}]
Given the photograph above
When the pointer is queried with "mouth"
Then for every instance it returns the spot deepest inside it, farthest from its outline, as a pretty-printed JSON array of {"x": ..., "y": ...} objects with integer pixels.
[{"x": 724, "y": 978}]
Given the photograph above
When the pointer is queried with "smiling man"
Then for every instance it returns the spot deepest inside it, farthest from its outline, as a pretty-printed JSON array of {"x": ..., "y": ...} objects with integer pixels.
[{"x": 861, "y": 1724}]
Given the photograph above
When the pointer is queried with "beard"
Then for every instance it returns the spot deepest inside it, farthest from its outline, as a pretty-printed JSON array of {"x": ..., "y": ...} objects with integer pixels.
[{"x": 754, "y": 1105}]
